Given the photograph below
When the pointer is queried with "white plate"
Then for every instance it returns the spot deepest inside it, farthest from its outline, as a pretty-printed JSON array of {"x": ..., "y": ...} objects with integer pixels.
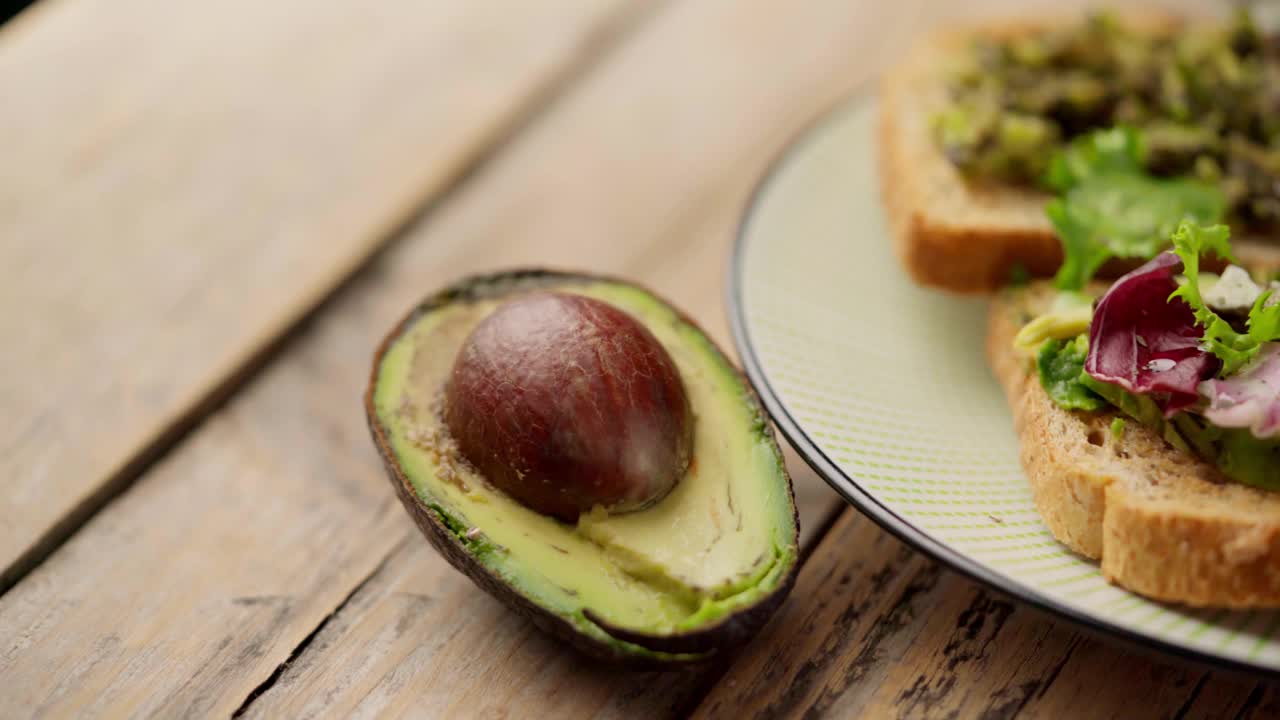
[{"x": 883, "y": 388}]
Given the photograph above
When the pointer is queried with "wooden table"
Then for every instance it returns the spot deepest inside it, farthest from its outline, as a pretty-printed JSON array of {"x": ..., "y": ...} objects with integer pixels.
[{"x": 209, "y": 212}]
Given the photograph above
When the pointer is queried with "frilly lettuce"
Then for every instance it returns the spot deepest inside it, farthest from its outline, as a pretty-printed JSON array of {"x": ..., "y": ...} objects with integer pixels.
[{"x": 1234, "y": 348}]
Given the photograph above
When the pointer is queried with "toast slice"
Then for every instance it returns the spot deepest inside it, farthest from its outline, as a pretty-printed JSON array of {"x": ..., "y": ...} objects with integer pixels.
[
  {"x": 1163, "y": 523},
  {"x": 952, "y": 233}
]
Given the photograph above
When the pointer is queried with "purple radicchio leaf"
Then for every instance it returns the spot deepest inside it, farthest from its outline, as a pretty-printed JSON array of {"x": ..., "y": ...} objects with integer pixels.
[{"x": 1147, "y": 344}]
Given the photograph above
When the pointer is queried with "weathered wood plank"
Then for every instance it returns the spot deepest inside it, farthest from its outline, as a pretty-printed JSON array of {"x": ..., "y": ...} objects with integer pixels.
[
  {"x": 192, "y": 587},
  {"x": 884, "y": 632},
  {"x": 1119, "y": 684},
  {"x": 311, "y": 515},
  {"x": 182, "y": 182}
]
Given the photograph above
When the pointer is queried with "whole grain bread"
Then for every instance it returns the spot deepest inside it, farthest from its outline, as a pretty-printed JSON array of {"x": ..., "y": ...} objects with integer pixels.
[
  {"x": 953, "y": 233},
  {"x": 1163, "y": 523}
]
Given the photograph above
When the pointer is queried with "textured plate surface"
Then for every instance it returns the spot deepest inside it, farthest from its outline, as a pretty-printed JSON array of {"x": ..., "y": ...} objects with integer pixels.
[{"x": 883, "y": 388}]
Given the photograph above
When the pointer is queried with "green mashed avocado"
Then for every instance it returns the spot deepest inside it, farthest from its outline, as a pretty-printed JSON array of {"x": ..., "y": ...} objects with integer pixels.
[{"x": 1205, "y": 102}]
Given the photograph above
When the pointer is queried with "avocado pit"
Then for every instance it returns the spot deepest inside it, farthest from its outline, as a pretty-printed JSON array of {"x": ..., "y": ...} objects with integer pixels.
[{"x": 567, "y": 403}]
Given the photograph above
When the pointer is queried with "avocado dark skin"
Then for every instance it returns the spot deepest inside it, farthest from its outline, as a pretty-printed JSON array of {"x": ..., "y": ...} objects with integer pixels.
[{"x": 698, "y": 644}]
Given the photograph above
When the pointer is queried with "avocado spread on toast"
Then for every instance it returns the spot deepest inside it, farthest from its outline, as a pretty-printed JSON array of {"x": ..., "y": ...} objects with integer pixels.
[{"x": 1200, "y": 102}]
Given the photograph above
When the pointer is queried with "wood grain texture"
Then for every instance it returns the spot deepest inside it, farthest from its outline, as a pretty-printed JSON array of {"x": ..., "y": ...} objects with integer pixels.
[
  {"x": 183, "y": 181},
  {"x": 420, "y": 640},
  {"x": 196, "y": 584},
  {"x": 884, "y": 632},
  {"x": 311, "y": 516}
]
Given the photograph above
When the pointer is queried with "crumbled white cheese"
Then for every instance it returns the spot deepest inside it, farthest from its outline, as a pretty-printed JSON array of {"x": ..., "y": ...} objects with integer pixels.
[
  {"x": 1275, "y": 294},
  {"x": 1234, "y": 291}
]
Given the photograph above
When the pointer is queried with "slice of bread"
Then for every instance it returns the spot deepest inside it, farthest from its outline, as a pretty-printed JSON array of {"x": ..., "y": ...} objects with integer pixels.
[
  {"x": 952, "y": 233},
  {"x": 1164, "y": 523}
]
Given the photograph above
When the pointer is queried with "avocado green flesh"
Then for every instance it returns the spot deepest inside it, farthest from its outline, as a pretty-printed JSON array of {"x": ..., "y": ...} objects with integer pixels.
[{"x": 720, "y": 540}]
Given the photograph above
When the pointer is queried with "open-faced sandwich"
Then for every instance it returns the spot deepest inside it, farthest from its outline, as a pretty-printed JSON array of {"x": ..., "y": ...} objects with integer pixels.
[
  {"x": 972, "y": 119},
  {"x": 1148, "y": 408},
  {"x": 1149, "y": 415}
]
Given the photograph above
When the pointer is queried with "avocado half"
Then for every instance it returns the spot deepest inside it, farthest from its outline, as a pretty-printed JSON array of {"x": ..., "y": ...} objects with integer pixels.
[{"x": 691, "y": 576}]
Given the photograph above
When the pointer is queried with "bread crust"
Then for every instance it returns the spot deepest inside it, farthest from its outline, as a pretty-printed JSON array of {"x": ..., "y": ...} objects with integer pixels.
[
  {"x": 947, "y": 232},
  {"x": 1163, "y": 523},
  {"x": 952, "y": 233}
]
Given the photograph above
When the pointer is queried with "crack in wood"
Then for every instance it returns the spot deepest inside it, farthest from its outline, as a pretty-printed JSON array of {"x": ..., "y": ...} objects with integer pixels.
[
  {"x": 1252, "y": 702},
  {"x": 1006, "y": 705},
  {"x": 976, "y": 627},
  {"x": 894, "y": 620},
  {"x": 1057, "y": 669},
  {"x": 302, "y": 646},
  {"x": 1191, "y": 699},
  {"x": 891, "y": 621}
]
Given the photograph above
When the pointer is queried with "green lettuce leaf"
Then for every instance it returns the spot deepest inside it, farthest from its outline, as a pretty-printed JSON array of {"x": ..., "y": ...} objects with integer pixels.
[
  {"x": 1117, "y": 150},
  {"x": 1235, "y": 349},
  {"x": 1124, "y": 214},
  {"x": 1061, "y": 366},
  {"x": 1108, "y": 206}
]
